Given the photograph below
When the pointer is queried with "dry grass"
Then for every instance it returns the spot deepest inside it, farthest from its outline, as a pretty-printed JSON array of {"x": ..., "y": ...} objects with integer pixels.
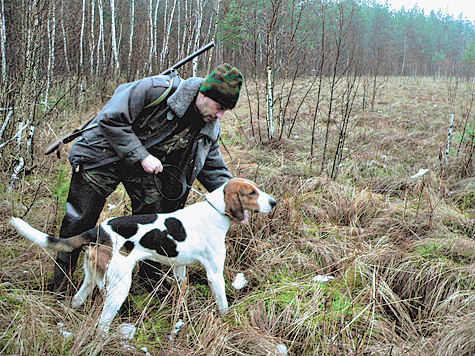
[{"x": 401, "y": 250}]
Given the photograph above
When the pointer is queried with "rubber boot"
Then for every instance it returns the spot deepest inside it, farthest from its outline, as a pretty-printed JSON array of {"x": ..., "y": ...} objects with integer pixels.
[{"x": 83, "y": 207}]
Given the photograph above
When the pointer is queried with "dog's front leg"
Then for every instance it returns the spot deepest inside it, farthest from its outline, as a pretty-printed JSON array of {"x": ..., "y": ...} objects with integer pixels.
[{"x": 214, "y": 272}]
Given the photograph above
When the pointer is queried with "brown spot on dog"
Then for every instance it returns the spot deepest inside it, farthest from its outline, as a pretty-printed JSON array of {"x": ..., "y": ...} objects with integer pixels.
[{"x": 99, "y": 256}]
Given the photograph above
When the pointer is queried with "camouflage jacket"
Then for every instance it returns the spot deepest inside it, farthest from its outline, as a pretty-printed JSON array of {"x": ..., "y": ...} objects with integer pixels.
[{"x": 127, "y": 128}]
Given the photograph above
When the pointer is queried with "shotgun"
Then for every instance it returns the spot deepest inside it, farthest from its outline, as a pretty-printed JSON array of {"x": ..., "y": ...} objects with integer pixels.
[{"x": 84, "y": 127}]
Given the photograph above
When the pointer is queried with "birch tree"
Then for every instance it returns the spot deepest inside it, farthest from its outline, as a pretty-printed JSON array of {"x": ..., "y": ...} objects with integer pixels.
[
  {"x": 101, "y": 50},
  {"x": 65, "y": 41},
  {"x": 199, "y": 21},
  {"x": 153, "y": 45},
  {"x": 51, "y": 26},
  {"x": 214, "y": 31},
  {"x": 92, "y": 42},
  {"x": 115, "y": 49},
  {"x": 131, "y": 38},
  {"x": 3, "y": 42},
  {"x": 81, "y": 38},
  {"x": 166, "y": 39}
]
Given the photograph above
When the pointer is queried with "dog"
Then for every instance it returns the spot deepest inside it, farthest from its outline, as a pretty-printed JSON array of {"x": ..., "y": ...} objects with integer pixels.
[{"x": 193, "y": 234}]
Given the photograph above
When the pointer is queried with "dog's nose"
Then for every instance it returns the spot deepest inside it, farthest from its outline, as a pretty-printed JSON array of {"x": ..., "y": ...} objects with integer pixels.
[{"x": 272, "y": 202}]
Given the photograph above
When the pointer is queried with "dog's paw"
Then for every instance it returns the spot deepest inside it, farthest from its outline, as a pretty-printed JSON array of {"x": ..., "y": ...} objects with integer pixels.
[{"x": 76, "y": 302}]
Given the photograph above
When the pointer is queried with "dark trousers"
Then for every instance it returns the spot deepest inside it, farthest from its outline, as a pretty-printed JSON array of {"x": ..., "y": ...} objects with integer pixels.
[{"x": 83, "y": 208}]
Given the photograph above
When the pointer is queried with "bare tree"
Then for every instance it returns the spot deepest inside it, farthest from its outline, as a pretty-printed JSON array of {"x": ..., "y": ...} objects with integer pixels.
[
  {"x": 81, "y": 41},
  {"x": 131, "y": 38},
  {"x": 65, "y": 41},
  {"x": 101, "y": 50},
  {"x": 3, "y": 41},
  {"x": 51, "y": 26},
  {"x": 92, "y": 44},
  {"x": 168, "y": 26},
  {"x": 115, "y": 49},
  {"x": 340, "y": 40},
  {"x": 152, "y": 22}
]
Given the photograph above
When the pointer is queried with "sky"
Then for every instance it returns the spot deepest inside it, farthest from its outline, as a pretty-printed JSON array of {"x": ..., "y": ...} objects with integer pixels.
[{"x": 452, "y": 7}]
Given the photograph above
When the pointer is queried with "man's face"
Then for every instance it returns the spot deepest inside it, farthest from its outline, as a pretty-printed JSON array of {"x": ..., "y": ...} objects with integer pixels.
[{"x": 209, "y": 109}]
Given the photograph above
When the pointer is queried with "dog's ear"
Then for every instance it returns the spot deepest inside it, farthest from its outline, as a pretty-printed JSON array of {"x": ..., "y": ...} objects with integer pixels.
[{"x": 232, "y": 199}]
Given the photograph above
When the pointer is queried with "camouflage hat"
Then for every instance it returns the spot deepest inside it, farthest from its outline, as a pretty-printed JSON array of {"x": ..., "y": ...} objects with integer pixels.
[{"x": 223, "y": 85}]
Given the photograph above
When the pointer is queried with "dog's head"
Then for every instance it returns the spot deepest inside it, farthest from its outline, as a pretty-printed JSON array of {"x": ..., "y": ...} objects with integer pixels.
[{"x": 241, "y": 196}]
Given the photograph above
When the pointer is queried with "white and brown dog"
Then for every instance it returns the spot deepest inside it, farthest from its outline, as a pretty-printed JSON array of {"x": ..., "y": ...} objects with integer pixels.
[{"x": 193, "y": 234}]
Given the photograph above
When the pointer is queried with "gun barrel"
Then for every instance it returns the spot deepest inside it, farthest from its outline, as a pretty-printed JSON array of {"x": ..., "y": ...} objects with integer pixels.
[{"x": 189, "y": 58}]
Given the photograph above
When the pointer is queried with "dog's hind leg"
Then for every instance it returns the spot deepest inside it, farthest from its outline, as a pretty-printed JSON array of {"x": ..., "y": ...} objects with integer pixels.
[
  {"x": 118, "y": 282},
  {"x": 96, "y": 260},
  {"x": 179, "y": 272},
  {"x": 86, "y": 287}
]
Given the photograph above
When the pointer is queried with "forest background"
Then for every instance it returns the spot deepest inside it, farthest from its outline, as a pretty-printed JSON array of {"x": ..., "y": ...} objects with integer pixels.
[{"x": 360, "y": 119}]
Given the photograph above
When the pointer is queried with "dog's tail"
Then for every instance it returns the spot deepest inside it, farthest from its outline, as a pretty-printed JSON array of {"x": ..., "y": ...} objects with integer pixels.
[{"x": 48, "y": 241}]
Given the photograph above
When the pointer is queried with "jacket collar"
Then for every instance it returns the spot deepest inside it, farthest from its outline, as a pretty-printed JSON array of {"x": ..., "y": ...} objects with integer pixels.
[{"x": 182, "y": 98}]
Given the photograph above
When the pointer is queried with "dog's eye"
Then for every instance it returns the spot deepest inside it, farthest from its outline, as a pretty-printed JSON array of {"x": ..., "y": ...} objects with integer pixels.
[{"x": 253, "y": 193}]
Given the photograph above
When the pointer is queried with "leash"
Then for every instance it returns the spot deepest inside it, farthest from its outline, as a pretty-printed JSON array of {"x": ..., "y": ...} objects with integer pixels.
[{"x": 184, "y": 185}]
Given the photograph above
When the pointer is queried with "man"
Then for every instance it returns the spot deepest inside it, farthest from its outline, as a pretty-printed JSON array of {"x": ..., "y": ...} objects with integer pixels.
[{"x": 134, "y": 137}]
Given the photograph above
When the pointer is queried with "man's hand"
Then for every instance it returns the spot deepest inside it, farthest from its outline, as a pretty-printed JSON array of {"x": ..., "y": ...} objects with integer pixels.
[{"x": 152, "y": 164}]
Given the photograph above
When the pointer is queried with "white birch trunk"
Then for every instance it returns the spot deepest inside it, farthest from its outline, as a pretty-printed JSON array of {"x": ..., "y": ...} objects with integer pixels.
[
  {"x": 155, "y": 33},
  {"x": 21, "y": 161},
  {"x": 167, "y": 35},
  {"x": 5, "y": 124},
  {"x": 199, "y": 22},
  {"x": 179, "y": 27},
  {"x": 215, "y": 30},
  {"x": 100, "y": 43},
  {"x": 3, "y": 41},
  {"x": 65, "y": 47},
  {"x": 17, "y": 136},
  {"x": 151, "y": 25},
  {"x": 131, "y": 37},
  {"x": 81, "y": 40},
  {"x": 115, "y": 49},
  {"x": 51, "y": 26},
  {"x": 181, "y": 42},
  {"x": 92, "y": 42},
  {"x": 29, "y": 141},
  {"x": 195, "y": 67},
  {"x": 16, "y": 172},
  {"x": 449, "y": 140}
]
